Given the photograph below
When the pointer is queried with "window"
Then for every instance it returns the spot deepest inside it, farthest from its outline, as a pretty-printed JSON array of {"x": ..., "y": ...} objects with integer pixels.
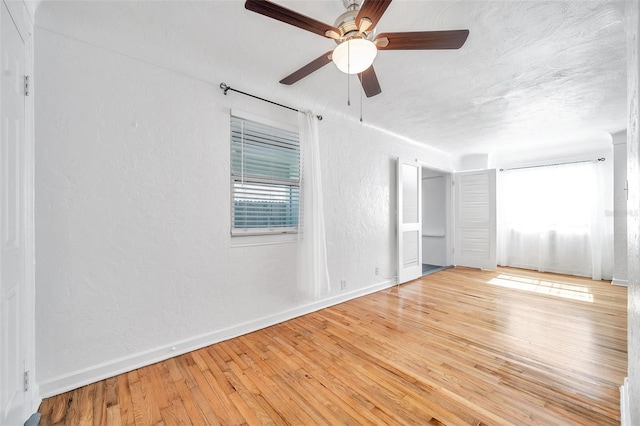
[
  {"x": 554, "y": 218},
  {"x": 265, "y": 178}
]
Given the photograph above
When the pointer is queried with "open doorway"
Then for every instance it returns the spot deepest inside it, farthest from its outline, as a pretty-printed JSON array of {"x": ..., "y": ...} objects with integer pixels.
[{"x": 436, "y": 221}]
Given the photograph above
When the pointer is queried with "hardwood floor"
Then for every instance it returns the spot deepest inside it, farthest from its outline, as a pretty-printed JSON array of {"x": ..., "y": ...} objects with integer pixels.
[{"x": 457, "y": 347}]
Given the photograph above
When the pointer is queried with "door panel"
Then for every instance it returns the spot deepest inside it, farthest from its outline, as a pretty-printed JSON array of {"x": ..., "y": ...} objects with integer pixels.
[
  {"x": 409, "y": 220},
  {"x": 410, "y": 248},
  {"x": 475, "y": 201},
  {"x": 12, "y": 225}
]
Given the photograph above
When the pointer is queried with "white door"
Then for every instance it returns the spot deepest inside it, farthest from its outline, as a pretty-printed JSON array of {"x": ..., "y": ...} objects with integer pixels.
[
  {"x": 12, "y": 223},
  {"x": 409, "y": 220},
  {"x": 475, "y": 206}
]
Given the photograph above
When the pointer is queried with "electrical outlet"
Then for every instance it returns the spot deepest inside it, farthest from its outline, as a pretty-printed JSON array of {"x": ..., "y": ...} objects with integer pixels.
[
  {"x": 343, "y": 284},
  {"x": 377, "y": 271}
]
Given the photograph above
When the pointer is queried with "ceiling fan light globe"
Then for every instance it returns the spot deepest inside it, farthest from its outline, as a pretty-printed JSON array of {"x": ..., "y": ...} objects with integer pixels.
[{"x": 354, "y": 56}]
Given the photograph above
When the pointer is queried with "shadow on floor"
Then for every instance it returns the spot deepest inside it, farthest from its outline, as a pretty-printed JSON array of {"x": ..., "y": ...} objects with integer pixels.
[{"x": 430, "y": 269}]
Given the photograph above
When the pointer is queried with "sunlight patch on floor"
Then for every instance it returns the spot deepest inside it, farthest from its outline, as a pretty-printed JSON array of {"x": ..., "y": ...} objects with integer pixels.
[{"x": 551, "y": 288}]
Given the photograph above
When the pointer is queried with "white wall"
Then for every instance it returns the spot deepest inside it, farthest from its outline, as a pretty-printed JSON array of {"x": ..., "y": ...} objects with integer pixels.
[
  {"x": 474, "y": 162},
  {"x": 133, "y": 249},
  {"x": 620, "y": 208},
  {"x": 631, "y": 391}
]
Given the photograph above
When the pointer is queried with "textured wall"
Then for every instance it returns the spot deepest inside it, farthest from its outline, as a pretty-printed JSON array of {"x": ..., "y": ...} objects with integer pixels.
[
  {"x": 620, "y": 207},
  {"x": 132, "y": 209},
  {"x": 633, "y": 210}
]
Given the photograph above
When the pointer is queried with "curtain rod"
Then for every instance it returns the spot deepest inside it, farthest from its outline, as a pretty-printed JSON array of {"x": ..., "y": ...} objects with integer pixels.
[
  {"x": 226, "y": 88},
  {"x": 556, "y": 164}
]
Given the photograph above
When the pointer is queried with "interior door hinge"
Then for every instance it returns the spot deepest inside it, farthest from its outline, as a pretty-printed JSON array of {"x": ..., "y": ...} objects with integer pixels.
[
  {"x": 26, "y": 381},
  {"x": 26, "y": 85}
]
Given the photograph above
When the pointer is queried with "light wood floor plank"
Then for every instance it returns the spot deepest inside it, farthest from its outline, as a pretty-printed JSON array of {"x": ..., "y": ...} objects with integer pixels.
[
  {"x": 125, "y": 403},
  {"x": 459, "y": 347},
  {"x": 100, "y": 403}
]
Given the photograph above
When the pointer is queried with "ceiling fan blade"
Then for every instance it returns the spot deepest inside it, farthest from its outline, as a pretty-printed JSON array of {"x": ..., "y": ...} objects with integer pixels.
[
  {"x": 423, "y": 40},
  {"x": 373, "y": 10},
  {"x": 370, "y": 82},
  {"x": 288, "y": 16},
  {"x": 312, "y": 66}
]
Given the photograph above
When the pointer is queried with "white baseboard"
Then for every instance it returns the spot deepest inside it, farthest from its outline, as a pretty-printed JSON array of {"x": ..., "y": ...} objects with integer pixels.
[
  {"x": 624, "y": 404},
  {"x": 622, "y": 283},
  {"x": 76, "y": 379}
]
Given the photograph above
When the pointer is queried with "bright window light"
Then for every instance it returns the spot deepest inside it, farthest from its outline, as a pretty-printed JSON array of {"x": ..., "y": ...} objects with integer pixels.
[
  {"x": 558, "y": 198},
  {"x": 554, "y": 219}
]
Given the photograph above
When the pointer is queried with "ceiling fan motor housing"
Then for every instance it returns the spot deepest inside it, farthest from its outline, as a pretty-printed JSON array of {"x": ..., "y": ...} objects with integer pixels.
[{"x": 346, "y": 23}]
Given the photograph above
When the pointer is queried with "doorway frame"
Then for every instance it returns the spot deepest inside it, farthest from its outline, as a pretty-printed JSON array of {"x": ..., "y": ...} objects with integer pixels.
[
  {"x": 450, "y": 226},
  {"x": 23, "y": 19},
  {"x": 449, "y": 212}
]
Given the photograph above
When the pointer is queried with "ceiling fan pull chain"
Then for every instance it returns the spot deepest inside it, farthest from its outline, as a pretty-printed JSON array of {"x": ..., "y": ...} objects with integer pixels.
[
  {"x": 348, "y": 69},
  {"x": 361, "y": 90}
]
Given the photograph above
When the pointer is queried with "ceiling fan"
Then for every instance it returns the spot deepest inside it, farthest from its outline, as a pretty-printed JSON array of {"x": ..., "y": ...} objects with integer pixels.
[{"x": 358, "y": 43}]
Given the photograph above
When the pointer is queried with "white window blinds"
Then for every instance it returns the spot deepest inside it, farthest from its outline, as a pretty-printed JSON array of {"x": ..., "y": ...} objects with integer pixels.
[{"x": 265, "y": 178}]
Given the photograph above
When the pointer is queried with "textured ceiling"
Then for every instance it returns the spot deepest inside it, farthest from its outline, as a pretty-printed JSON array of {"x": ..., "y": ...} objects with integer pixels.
[{"x": 543, "y": 74}]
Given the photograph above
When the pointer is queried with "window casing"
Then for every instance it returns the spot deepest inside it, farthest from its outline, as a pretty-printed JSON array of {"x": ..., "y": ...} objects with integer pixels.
[{"x": 265, "y": 178}]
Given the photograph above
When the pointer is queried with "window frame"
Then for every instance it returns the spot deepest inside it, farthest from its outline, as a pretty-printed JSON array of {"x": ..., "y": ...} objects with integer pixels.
[{"x": 264, "y": 181}]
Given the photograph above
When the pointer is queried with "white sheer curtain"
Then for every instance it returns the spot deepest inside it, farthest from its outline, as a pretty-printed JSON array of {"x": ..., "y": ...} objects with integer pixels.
[
  {"x": 555, "y": 219},
  {"x": 313, "y": 275}
]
